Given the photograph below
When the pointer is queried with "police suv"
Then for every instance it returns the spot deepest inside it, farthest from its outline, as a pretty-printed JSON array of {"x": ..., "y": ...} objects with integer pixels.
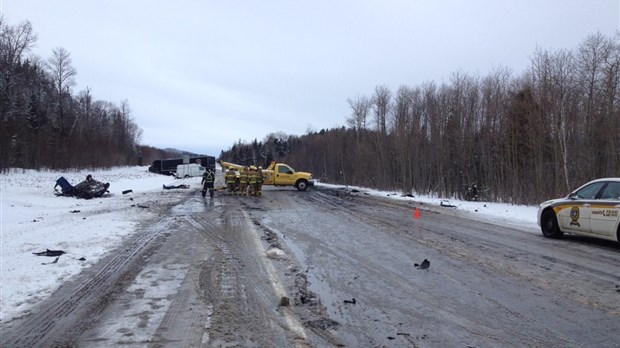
[{"x": 591, "y": 210}]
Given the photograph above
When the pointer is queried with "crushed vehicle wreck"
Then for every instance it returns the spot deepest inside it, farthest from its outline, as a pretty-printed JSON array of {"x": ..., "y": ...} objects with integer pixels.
[{"x": 87, "y": 189}]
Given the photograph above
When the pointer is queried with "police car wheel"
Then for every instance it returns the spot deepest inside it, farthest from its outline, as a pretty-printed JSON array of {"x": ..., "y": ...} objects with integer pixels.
[{"x": 549, "y": 225}]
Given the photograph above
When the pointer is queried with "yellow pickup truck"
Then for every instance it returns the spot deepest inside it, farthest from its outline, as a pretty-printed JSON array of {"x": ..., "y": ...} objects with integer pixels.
[{"x": 278, "y": 174}]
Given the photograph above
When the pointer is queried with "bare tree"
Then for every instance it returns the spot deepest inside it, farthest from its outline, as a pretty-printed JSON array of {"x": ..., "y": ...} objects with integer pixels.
[
  {"x": 14, "y": 43},
  {"x": 360, "y": 106},
  {"x": 554, "y": 78},
  {"x": 61, "y": 70},
  {"x": 43, "y": 125},
  {"x": 381, "y": 104}
]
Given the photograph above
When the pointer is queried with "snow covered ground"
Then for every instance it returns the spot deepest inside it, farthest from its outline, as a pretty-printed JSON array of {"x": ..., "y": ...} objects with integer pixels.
[{"x": 33, "y": 219}]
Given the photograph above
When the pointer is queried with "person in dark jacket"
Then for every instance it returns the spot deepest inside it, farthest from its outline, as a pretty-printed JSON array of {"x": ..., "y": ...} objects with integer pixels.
[{"x": 208, "y": 178}]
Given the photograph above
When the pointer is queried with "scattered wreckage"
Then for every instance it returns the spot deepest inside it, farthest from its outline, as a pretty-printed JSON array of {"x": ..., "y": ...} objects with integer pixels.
[{"x": 87, "y": 189}]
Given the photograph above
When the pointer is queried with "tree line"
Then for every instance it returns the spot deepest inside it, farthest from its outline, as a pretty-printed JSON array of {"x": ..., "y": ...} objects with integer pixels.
[
  {"x": 521, "y": 138},
  {"x": 43, "y": 125}
]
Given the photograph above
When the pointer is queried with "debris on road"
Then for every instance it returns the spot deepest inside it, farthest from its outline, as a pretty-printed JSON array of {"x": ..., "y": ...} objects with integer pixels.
[
  {"x": 446, "y": 204},
  {"x": 284, "y": 301},
  {"x": 275, "y": 253},
  {"x": 424, "y": 265},
  {"x": 171, "y": 187},
  {"x": 49, "y": 252}
]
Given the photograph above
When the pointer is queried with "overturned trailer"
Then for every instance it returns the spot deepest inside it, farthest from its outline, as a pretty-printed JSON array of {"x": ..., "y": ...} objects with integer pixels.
[{"x": 169, "y": 166}]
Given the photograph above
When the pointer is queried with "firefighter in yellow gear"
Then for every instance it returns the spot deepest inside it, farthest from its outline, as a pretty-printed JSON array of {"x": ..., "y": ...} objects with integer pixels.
[
  {"x": 231, "y": 178},
  {"x": 243, "y": 181},
  {"x": 259, "y": 181},
  {"x": 252, "y": 178}
]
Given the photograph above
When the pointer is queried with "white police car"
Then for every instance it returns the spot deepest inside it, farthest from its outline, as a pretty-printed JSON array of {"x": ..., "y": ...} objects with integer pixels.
[{"x": 591, "y": 210}]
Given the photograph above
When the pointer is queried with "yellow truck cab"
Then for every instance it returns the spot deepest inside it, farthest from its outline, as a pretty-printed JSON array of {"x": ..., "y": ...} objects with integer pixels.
[{"x": 279, "y": 174}]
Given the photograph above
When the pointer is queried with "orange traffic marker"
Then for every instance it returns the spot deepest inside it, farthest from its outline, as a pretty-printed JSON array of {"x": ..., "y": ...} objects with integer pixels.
[{"x": 416, "y": 215}]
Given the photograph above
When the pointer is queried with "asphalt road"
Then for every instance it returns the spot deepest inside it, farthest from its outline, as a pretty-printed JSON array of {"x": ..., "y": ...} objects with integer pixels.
[{"x": 333, "y": 268}]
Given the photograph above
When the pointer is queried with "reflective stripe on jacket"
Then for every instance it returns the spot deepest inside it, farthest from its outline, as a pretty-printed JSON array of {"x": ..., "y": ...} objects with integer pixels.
[
  {"x": 243, "y": 177},
  {"x": 207, "y": 177},
  {"x": 253, "y": 177},
  {"x": 230, "y": 177}
]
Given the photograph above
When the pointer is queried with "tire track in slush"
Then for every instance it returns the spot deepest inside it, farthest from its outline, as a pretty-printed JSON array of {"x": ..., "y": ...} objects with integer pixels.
[
  {"x": 34, "y": 331},
  {"x": 225, "y": 282},
  {"x": 160, "y": 305}
]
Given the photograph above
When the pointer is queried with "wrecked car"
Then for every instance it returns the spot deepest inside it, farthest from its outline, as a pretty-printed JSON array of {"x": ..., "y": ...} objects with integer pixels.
[{"x": 87, "y": 189}]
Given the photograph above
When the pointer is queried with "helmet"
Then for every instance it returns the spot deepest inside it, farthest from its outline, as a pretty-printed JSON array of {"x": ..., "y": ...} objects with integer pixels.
[
  {"x": 253, "y": 167},
  {"x": 259, "y": 167}
]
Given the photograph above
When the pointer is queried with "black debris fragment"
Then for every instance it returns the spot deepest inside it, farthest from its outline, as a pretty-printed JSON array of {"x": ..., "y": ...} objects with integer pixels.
[
  {"x": 391, "y": 338},
  {"x": 82, "y": 258},
  {"x": 284, "y": 301},
  {"x": 127, "y": 191},
  {"x": 424, "y": 265},
  {"x": 48, "y": 252},
  {"x": 350, "y": 301},
  {"x": 74, "y": 211}
]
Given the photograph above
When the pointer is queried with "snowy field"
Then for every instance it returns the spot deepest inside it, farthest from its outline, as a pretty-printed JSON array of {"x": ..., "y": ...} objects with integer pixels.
[{"x": 33, "y": 219}]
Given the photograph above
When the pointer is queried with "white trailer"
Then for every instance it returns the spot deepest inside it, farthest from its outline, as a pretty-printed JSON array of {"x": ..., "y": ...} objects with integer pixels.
[{"x": 189, "y": 170}]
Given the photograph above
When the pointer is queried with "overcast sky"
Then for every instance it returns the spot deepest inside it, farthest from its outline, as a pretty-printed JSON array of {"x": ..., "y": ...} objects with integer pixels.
[{"x": 200, "y": 75}]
